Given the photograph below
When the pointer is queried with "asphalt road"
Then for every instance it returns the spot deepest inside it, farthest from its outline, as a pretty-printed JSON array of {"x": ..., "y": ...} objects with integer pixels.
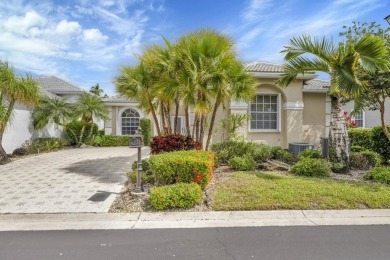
[{"x": 331, "y": 242}]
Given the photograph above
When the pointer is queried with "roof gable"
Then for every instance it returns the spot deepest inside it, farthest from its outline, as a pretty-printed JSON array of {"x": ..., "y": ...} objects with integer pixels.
[{"x": 58, "y": 86}]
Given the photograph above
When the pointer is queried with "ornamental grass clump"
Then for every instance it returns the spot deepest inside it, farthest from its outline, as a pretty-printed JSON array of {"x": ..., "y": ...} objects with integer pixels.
[
  {"x": 311, "y": 167},
  {"x": 182, "y": 166},
  {"x": 179, "y": 195}
]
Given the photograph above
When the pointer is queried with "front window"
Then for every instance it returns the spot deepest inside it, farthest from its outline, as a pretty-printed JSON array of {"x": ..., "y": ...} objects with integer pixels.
[
  {"x": 358, "y": 118},
  {"x": 130, "y": 121},
  {"x": 264, "y": 112}
]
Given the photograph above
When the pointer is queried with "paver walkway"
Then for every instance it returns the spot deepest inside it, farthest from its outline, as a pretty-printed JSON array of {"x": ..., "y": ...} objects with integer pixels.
[{"x": 64, "y": 181}]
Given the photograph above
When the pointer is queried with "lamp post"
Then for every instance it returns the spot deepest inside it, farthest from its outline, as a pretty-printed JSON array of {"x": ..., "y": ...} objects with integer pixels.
[
  {"x": 137, "y": 141},
  {"x": 387, "y": 18}
]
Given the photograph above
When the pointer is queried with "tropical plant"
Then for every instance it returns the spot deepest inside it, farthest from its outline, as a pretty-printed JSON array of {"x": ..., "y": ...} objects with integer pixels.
[
  {"x": 14, "y": 88},
  {"x": 377, "y": 83},
  {"x": 340, "y": 63},
  {"x": 97, "y": 90},
  {"x": 51, "y": 110}
]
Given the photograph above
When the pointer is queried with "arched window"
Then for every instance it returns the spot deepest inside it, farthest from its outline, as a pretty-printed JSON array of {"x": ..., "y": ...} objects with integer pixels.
[{"x": 130, "y": 121}]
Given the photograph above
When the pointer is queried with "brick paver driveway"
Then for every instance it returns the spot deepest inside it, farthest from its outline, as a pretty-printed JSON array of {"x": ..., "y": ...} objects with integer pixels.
[{"x": 65, "y": 181}]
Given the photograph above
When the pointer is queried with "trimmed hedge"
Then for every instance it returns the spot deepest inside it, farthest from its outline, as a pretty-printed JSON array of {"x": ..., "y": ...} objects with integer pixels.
[
  {"x": 364, "y": 160},
  {"x": 146, "y": 126},
  {"x": 75, "y": 127},
  {"x": 311, "y": 167},
  {"x": 380, "y": 142},
  {"x": 182, "y": 166},
  {"x": 379, "y": 174},
  {"x": 361, "y": 137},
  {"x": 179, "y": 195},
  {"x": 112, "y": 140}
]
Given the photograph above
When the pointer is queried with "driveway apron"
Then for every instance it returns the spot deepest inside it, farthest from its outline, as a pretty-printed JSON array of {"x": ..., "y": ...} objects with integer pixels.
[{"x": 72, "y": 180}]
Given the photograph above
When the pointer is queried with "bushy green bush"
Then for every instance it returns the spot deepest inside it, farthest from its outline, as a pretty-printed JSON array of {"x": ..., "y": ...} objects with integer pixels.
[
  {"x": 73, "y": 131},
  {"x": 380, "y": 143},
  {"x": 145, "y": 165},
  {"x": 339, "y": 167},
  {"x": 225, "y": 151},
  {"x": 145, "y": 177},
  {"x": 44, "y": 144},
  {"x": 310, "y": 153},
  {"x": 244, "y": 163},
  {"x": 278, "y": 153},
  {"x": 180, "y": 195},
  {"x": 182, "y": 166},
  {"x": 146, "y": 126},
  {"x": 358, "y": 148},
  {"x": 379, "y": 174},
  {"x": 364, "y": 160},
  {"x": 361, "y": 137},
  {"x": 311, "y": 167},
  {"x": 111, "y": 140},
  {"x": 100, "y": 132}
]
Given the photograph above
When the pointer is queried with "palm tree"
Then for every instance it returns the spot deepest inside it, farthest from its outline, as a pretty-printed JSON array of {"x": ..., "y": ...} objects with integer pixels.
[
  {"x": 96, "y": 90},
  {"x": 340, "y": 63},
  {"x": 136, "y": 82},
  {"x": 52, "y": 110},
  {"x": 14, "y": 89},
  {"x": 89, "y": 107}
]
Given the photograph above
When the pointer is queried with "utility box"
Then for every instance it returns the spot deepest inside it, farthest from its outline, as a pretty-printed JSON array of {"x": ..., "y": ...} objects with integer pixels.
[{"x": 296, "y": 148}]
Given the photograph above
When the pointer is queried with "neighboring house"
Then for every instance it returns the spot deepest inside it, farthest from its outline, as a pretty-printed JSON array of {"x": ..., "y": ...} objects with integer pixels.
[
  {"x": 298, "y": 113},
  {"x": 20, "y": 129},
  {"x": 368, "y": 118}
]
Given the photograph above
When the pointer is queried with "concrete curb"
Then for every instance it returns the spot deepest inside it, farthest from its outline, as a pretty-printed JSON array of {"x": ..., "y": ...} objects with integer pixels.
[{"x": 147, "y": 220}]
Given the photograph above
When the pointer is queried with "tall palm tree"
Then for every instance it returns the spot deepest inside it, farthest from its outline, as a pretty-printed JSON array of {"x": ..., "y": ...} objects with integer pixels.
[
  {"x": 136, "y": 82},
  {"x": 96, "y": 90},
  {"x": 14, "y": 89},
  {"x": 340, "y": 63}
]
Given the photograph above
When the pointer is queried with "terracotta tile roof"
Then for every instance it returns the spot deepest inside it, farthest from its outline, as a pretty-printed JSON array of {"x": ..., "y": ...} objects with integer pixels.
[{"x": 55, "y": 85}]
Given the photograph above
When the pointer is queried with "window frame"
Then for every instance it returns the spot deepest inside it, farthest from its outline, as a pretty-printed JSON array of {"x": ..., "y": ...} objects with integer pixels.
[
  {"x": 363, "y": 119},
  {"x": 122, "y": 121},
  {"x": 278, "y": 114}
]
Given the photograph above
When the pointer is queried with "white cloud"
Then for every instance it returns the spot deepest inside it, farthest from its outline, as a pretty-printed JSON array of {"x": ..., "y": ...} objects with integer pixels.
[
  {"x": 94, "y": 35},
  {"x": 254, "y": 8},
  {"x": 68, "y": 28},
  {"x": 21, "y": 24}
]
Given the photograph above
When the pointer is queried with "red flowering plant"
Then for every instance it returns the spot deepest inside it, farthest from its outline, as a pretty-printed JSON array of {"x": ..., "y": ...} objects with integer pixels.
[
  {"x": 348, "y": 121},
  {"x": 173, "y": 142}
]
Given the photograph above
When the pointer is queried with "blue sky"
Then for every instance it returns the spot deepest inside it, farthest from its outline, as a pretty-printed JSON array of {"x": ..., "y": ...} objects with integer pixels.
[{"x": 85, "y": 41}]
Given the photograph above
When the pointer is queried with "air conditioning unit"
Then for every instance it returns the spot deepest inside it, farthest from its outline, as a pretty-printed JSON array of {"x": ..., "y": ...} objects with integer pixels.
[{"x": 296, "y": 148}]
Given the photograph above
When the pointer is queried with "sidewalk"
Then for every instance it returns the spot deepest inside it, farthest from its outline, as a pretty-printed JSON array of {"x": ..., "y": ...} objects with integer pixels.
[{"x": 143, "y": 220}]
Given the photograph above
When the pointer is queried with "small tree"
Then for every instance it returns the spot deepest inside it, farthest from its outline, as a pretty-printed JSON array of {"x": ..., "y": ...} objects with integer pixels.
[{"x": 97, "y": 91}]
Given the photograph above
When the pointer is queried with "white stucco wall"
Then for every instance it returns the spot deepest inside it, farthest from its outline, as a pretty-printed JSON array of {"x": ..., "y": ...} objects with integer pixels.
[{"x": 371, "y": 117}]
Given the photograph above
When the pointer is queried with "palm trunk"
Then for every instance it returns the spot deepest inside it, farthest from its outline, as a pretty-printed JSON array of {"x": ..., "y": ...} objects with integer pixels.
[
  {"x": 201, "y": 131},
  {"x": 167, "y": 119},
  {"x": 211, "y": 126},
  {"x": 384, "y": 126},
  {"x": 187, "y": 115},
  {"x": 162, "y": 119},
  {"x": 154, "y": 116},
  {"x": 80, "y": 141},
  {"x": 338, "y": 135},
  {"x": 197, "y": 128},
  {"x": 2, "y": 151},
  {"x": 177, "y": 103}
]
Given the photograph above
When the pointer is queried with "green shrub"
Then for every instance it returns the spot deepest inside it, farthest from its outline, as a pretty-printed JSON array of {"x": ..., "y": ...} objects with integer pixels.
[
  {"x": 225, "y": 151},
  {"x": 182, "y": 166},
  {"x": 360, "y": 137},
  {"x": 146, "y": 126},
  {"x": 364, "y": 160},
  {"x": 180, "y": 195},
  {"x": 74, "y": 128},
  {"x": 380, "y": 143},
  {"x": 145, "y": 165},
  {"x": 112, "y": 140},
  {"x": 311, "y": 167},
  {"x": 379, "y": 174},
  {"x": 339, "y": 167},
  {"x": 145, "y": 177},
  {"x": 244, "y": 163},
  {"x": 278, "y": 153},
  {"x": 44, "y": 144},
  {"x": 100, "y": 132},
  {"x": 310, "y": 153},
  {"x": 358, "y": 148}
]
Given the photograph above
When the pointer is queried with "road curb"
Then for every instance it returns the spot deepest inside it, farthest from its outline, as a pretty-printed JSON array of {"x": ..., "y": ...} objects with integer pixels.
[{"x": 149, "y": 220}]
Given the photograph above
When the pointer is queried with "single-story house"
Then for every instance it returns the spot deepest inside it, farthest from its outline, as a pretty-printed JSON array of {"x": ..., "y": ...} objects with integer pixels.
[
  {"x": 278, "y": 116},
  {"x": 20, "y": 129}
]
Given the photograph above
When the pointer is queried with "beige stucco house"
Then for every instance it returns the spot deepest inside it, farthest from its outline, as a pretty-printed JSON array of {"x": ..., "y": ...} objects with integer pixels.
[{"x": 298, "y": 113}]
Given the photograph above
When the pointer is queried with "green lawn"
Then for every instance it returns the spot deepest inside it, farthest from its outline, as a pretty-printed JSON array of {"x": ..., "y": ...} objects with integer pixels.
[{"x": 264, "y": 191}]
